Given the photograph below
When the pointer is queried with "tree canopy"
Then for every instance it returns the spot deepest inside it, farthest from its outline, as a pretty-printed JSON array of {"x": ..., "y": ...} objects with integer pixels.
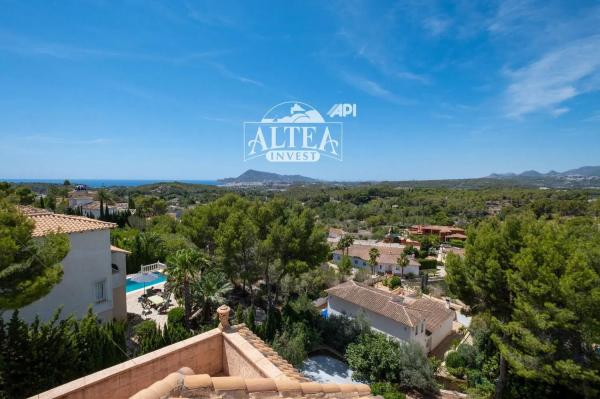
[
  {"x": 29, "y": 268},
  {"x": 539, "y": 283}
]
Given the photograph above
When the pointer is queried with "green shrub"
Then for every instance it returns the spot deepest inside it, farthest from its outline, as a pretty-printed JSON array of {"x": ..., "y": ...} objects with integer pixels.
[
  {"x": 455, "y": 364},
  {"x": 387, "y": 390},
  {"x": 38, "y": 356},
  {"x": 176, "y": 316},
  {"x": 394, "y": 282},
  {"x": 293, "y": 343},
  {"x": 239, "y": 314},
  {"x": 375, "y": 358},
  {"x": 428, "y": 263},
  {"x": 457, "y": 243}
]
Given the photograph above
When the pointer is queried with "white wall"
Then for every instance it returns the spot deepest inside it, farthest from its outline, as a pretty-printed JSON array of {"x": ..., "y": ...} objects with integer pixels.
[
  {"x": 119, "y": 259},
  {"x": 380, "y": 268},
  {"x": 442, "y": 332},
  {"x": 88, "y": 261},
  {"x": 75, "y": 202},
  {"x": 392, "y": 328}
]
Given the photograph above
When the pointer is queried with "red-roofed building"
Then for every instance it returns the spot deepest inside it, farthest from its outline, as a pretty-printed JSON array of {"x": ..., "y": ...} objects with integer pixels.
[{"x": 442, "y": 231}]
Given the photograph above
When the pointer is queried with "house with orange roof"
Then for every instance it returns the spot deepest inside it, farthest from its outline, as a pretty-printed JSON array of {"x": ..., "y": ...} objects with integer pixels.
[
  {"x": 423, "y": 320},
  {"x": 444, "y": 232},
  {"x": 93, "y": 271},
  {"x": 387, "y": 261}
]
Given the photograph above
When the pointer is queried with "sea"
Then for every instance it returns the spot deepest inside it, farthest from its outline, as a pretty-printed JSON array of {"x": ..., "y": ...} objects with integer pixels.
[{"x": 97, "y": 183}]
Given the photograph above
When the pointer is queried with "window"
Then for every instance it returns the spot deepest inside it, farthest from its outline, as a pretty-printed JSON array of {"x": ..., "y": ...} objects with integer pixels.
[
  {"x": 100, "y": 291},
  {"x": 422, "y": 327}
]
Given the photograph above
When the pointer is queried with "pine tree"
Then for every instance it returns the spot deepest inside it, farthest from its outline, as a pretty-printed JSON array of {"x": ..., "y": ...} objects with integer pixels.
[
  {"x": 538, "y": 282},
  {"x": 29, "y": 268},
  {"x": 17, "y": 366}
]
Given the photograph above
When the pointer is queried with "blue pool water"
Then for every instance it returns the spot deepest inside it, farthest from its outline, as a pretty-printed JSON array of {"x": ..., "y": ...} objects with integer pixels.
[{"x": 132, "y": 285}]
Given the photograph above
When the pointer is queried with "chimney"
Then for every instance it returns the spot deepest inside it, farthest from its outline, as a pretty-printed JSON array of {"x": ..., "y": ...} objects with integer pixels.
[{"x": 223, "y": 313}]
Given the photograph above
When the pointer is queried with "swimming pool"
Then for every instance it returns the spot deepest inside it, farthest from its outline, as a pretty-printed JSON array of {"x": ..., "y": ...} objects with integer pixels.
[{"x": 132, "y": 285}]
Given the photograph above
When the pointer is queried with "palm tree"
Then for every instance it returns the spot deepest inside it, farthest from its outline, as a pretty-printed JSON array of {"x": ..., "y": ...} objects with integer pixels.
[
  {"x": 345, "y": 243},
  {"x": 373, "y": 255},
  {"x": 184, "y": 268},
  {"x": 209, "y": 291},
  {"x": 402, "y": 261}
]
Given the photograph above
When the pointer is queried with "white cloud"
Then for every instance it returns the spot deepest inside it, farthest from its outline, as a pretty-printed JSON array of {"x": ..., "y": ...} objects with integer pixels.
[
  {"x": 557, "y": 76},
  {"x": 373, "y": 88},
  {"x": 435, "y": 25},
  {"x": 375, "y": 43},
  {"x": 594, "y": 117},
  {"x": 46, "y": 139},
  {"x": 226, "y": 72}
]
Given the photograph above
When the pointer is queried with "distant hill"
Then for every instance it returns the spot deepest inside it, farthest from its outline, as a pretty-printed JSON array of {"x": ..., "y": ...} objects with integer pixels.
[
  {"x": 256, "y": 176},
  {"x": 586, "y": 176},
  {"x": 584, "y": 171}
]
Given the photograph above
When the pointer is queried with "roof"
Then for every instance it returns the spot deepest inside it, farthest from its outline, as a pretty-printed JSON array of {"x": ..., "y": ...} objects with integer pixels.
[
  {"x": 376, "y": 301},
  {"x": 48, "y": 222},
  {"x": 335, "y": 232},
  {"x": 457, "y": 235},
  {"x": 82, "y": 194},
  {"x": 435, "y": 227},
  {"x": 288, "y": 370},
  {"x": 435, "y": 311},
  {"x": 117, "y": 249},
  {"x": 184, "y": 384},
  {"x": 407, "y": 311},
  {"x": 387, "y": 254},
  {"x": 94, "y": 205},
  {"x": 30, "y": 210}
]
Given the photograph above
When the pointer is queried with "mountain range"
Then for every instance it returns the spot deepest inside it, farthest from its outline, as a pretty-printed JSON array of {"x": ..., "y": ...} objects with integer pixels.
[
  {"x": 584, "y": 171},
  {"x": 252, "y": 176}
]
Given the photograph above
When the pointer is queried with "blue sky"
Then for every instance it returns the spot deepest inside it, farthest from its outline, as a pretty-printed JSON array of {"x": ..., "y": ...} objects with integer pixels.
[{"x": 160, "y": 90}]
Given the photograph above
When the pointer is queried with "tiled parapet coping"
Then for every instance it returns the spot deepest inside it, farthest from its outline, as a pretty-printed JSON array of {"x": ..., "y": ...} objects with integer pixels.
[{"x": 205, "y": 386}]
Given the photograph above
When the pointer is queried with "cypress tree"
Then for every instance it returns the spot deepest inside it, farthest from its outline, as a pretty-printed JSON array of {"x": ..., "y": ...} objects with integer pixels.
[{"x": 17, "y": 366}]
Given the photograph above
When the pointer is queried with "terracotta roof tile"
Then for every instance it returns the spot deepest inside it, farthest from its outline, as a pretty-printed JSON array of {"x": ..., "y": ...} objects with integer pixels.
[
  {"x": 435, "y": 311},
  {"x": 220, "y": 387},
  {"x": 377, "y": 301},
  {"x": 408, "y": 311},
  {"x": 47, "y": 222}
]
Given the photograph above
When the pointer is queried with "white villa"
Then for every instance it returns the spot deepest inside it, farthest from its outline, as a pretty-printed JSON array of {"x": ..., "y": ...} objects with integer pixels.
[
  {"x": 80, "y": 197},
  {"x": 387, "y": 262},
  {"x": 93, "y": 208},
  {"x": 422, "y": 320},
  {"x": 89, "y": 206},
  {"x": 93, "y": 270}
]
